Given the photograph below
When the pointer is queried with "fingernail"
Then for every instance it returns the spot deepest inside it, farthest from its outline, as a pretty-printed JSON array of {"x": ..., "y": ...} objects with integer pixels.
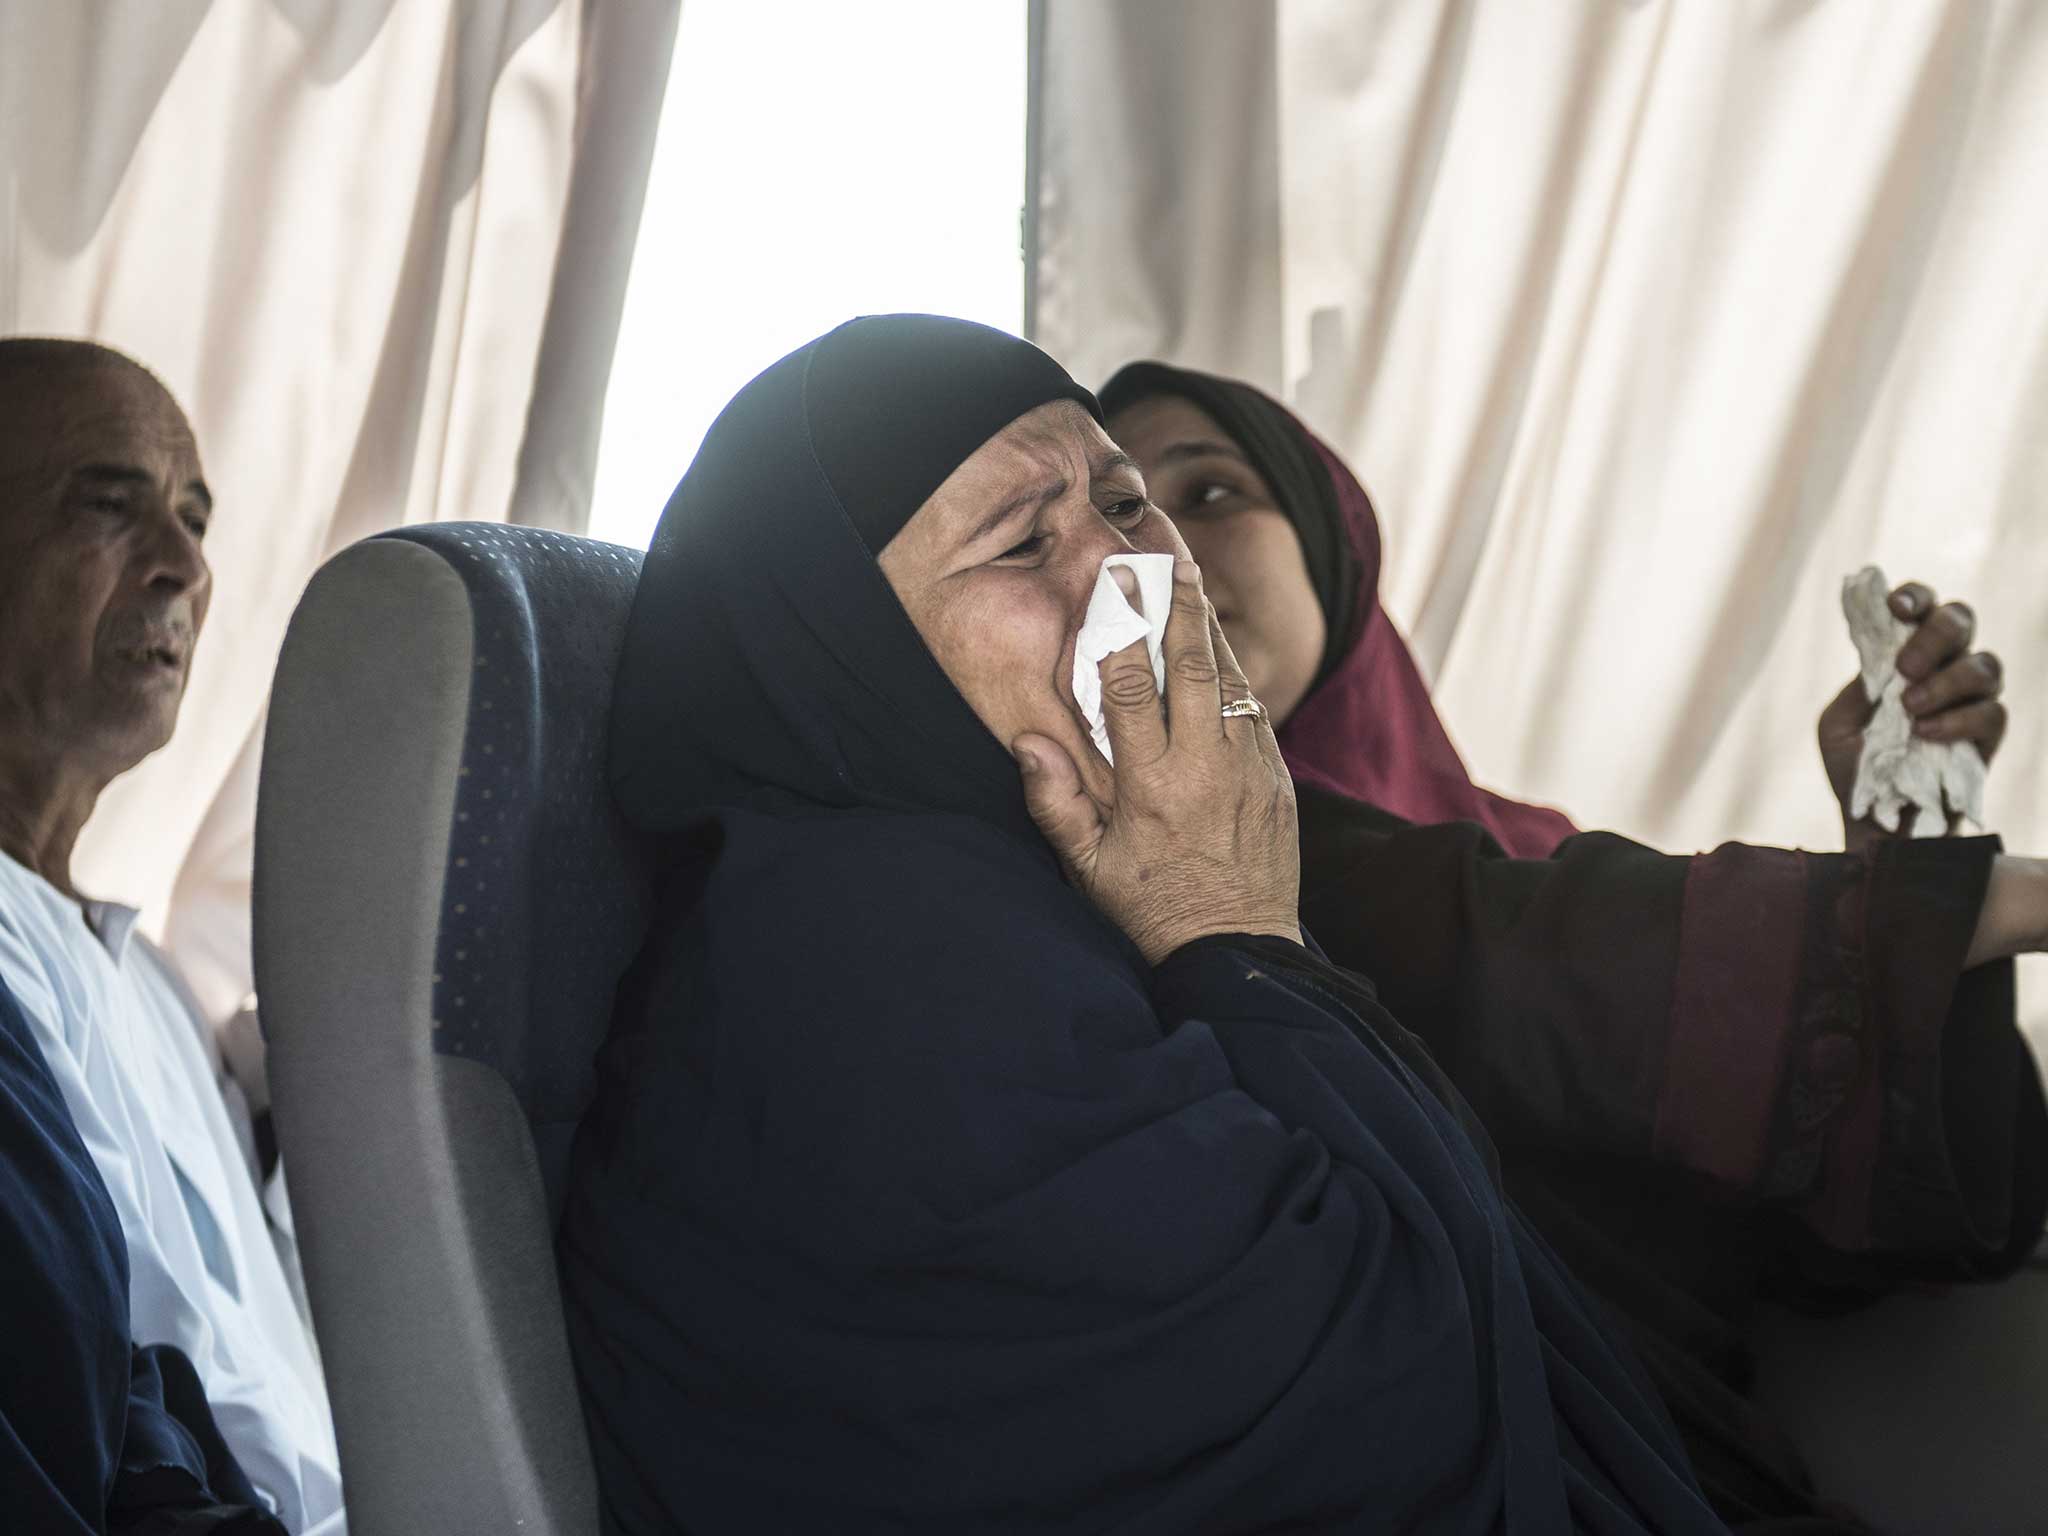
[
  {"x": 1026, "y": 761},
  {"x": 1909, "y": 603},
  {"x": 1126, "y": 581},
  {"x": 1186, "y": 572}
]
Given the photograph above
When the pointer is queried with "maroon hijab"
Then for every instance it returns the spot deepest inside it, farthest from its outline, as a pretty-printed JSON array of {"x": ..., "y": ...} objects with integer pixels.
[{"x": 1367, "y": 728}]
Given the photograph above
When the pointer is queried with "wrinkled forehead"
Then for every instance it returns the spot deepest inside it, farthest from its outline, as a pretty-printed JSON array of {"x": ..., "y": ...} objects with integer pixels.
[
  {"x": 1056, "y": 440},
  {"x": 1032, "y": 463},
  {"x": 1035, "y": 460},
  {"x": 93, "y": 410}
]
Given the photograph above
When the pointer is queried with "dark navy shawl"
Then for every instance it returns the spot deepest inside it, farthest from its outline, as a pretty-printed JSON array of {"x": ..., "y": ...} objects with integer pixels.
[{"x": 95, "y": 1435}]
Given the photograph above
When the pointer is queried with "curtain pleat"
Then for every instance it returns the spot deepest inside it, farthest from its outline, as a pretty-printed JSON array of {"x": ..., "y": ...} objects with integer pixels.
[
  {"x": 1645, "y": 323},
  {"x": 377, "y": 251}
]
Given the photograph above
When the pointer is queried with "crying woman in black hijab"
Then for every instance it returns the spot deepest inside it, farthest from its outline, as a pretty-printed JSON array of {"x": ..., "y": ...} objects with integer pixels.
[{"x": 980, "y": 1145}]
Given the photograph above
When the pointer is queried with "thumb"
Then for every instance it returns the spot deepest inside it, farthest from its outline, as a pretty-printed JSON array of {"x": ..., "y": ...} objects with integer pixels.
[
  {"x": 1847, "y": 713},
  {"x": 1064, "y": 812}
]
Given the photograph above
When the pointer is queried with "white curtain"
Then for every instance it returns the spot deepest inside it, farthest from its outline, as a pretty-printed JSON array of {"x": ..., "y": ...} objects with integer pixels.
[
  {"x": 377, "y": 251},
  {"x": 1644, "y": 321}
]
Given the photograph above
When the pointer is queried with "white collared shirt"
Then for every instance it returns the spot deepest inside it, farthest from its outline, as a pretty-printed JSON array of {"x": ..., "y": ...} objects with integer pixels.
[{"x": 141, "y": 1074}]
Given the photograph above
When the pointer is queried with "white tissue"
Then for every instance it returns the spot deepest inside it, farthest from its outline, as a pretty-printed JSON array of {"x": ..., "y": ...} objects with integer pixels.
[
  {"x": 1899, "y": 769},
  {"x": 1112, "y": 623}
]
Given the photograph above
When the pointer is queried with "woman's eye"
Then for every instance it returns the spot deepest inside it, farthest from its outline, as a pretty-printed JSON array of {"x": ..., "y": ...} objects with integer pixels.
[{"x": 1206, "y": 497}]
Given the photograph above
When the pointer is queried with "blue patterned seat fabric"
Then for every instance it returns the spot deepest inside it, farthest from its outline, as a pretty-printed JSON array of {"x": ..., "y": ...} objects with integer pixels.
[{"x": 548, "y": 894}]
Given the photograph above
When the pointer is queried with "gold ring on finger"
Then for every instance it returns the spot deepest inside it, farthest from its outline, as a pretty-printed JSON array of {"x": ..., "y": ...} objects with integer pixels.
[{"x": 1235, "y": 708}]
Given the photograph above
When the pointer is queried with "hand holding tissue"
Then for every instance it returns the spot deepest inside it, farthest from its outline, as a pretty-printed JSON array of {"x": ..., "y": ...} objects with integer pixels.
[
  {"x": 1897, "y": 769},
  {"x": 1112, "y": 623}
]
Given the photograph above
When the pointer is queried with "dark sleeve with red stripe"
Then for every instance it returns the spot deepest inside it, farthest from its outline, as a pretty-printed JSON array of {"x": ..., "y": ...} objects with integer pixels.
[
  {"x": 1829, "y": 1053},
  {"x": 1793, "y": 1028}
]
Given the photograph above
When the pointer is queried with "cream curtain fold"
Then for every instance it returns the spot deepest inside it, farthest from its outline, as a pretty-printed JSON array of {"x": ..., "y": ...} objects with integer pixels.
[
  {"x": 378, "y": 251},
  {"x": 1644, "y": 323}
]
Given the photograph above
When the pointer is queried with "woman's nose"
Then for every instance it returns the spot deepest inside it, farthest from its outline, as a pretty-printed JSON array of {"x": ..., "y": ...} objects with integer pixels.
[
  {"x": 1103, "y": 539},
  {"x": 1081, "y": 558}
]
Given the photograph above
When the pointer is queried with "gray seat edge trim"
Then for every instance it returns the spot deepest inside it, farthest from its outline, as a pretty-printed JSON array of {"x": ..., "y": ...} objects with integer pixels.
[{"x": 346, "y": 989}]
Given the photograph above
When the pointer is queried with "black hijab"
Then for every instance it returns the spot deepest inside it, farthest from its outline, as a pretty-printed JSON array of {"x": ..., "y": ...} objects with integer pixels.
[
  {"x": 1276, "y": 446},
  {"x": 766, "y": 651}
]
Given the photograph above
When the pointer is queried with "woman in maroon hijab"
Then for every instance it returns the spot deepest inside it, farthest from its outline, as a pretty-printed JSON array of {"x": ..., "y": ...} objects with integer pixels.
[
  {"x": 1270, "y": 513},
  {"x": 1273, "y": 515},
  {"x": 1712, "y": 1079}
]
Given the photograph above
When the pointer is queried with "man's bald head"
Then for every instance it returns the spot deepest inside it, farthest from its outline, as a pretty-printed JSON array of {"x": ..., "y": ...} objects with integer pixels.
[
  {"x": 45, "y": 379},
  {"x": 43, "y": 358},
  {"x": 103, "y": 582}
]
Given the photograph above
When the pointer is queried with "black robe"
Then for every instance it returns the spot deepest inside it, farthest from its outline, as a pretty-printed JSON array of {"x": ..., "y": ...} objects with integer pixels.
[{"x": 913, "y": 1200}]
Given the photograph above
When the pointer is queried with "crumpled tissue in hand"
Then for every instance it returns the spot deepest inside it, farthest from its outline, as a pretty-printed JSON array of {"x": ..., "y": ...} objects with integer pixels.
[
  {"x": 1112, "y": 623},
  {"x": 1899, "y": 769}
]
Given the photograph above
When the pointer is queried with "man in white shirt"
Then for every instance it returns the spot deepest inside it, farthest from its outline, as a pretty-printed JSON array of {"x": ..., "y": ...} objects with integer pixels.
[{"x": 103, "y": 588}]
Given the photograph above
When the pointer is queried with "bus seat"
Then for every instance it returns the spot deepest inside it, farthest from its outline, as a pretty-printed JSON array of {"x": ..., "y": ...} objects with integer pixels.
[
  {"x": 1924, "y": 1412},
  {"x": 445, "y": 900}
]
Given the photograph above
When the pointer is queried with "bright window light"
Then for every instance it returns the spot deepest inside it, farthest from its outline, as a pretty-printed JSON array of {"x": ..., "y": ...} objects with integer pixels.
[{"x": 815, "y": 161}]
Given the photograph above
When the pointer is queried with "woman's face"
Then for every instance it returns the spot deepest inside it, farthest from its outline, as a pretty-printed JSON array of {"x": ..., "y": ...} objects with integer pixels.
[
  {"x": 995, "y": 570},
  {"x": 1253, "y": 568}
]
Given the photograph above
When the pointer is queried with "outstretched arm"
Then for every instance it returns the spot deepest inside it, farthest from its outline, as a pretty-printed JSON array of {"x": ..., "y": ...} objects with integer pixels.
[{"x": 1817, "y": 1032}]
